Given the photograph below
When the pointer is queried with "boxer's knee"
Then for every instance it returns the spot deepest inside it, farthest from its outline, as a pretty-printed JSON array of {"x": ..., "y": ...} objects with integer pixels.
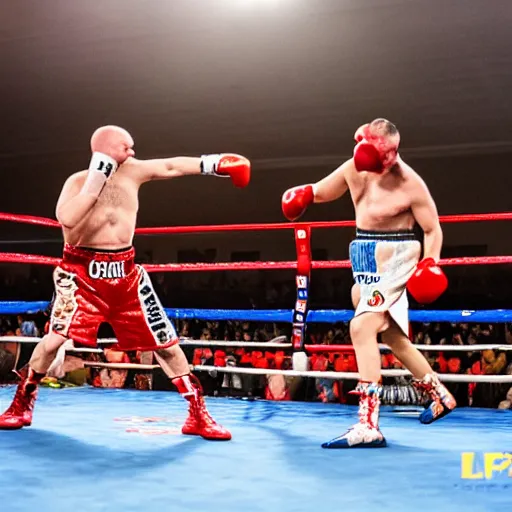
[
  {"x": 366, "y": 326},
  {"x": 46, "y": 351},
  {"x": 169, "y": 353},
  {"x": 357, "y": 328},
  {"x": 50, "y": 343},
  {"x": 393, "y": 335}
]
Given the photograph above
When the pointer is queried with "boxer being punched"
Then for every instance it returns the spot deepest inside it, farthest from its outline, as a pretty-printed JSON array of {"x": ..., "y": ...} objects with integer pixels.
[
  {"x": 98, "y": 281},
  {"x": 389, "y": 198}
]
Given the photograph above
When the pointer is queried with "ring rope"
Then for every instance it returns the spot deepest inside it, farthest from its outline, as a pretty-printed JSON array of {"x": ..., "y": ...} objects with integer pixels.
[
  {"x": 12, "y": 257},
  {"x": 446, "y": 377},
  {"x": 47, "y": 222},
  {"x": 285, "y": 315},
  {"x": 276, "y": 345},
  {"x": 121, "y": 366}
]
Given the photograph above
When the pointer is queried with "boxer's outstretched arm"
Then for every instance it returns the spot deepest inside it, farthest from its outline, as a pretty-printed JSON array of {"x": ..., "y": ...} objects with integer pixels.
[
  {"x": 75, "y": 201},
  {"x": 425, "y": 212},
  {"x": 333, "y": 186},
  {"x": 167, "y": 168},
  {"x": 224, "y": 165}
]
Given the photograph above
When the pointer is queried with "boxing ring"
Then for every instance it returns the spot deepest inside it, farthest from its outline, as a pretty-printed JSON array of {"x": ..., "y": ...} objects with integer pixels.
[{"x": 110, "y": 449}]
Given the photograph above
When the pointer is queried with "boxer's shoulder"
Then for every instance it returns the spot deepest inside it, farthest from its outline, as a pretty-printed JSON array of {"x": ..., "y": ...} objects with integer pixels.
[
  {"x": 74, "y": 182},
  {"x": 408, "y": 175},
  {"x": 133, "y": 169}
]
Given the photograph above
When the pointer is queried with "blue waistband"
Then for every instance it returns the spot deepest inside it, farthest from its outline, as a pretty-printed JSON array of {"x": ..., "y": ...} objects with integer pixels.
[{"x": 395, "y": 236}]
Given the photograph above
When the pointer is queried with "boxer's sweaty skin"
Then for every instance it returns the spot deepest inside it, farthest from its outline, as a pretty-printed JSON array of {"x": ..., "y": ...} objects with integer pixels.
[
  {"x": 391, "y": 201},
  {"x": 110, "y": 223}
]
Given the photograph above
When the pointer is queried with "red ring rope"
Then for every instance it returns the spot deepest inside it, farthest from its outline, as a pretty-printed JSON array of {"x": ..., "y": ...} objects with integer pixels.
[
  {"x": 43, "y": 221},
  {"x": 268, "y": 265},
  {"x": 11, "y": 257}
]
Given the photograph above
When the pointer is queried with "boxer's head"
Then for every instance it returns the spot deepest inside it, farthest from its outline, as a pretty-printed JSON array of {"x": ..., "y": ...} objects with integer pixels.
[
  {"x": 384, "y": 136},
  {"x": 113, "y": 141}
]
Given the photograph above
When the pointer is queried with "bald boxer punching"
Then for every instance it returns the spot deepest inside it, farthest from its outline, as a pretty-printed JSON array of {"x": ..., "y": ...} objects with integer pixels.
[
  {"x": 389, "y": 198},
  {"x": 98, "y": 281}
]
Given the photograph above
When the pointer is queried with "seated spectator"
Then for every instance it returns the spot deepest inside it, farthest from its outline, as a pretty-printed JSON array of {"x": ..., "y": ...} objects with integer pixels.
[
  {"x": 26, "y": 328},
  {"x": 507, "y": 403},
  {"x": 107, "y": 378}
]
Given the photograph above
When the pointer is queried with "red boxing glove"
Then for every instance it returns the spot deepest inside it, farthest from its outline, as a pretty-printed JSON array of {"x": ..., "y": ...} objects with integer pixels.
[
  {"x": 373, "y": 153},
  {"x": 428, "y": 282},
  {"x": 367, "y": 158},
  {"x": 237, "y": 167},
  {"x": 296, "y": 200}
]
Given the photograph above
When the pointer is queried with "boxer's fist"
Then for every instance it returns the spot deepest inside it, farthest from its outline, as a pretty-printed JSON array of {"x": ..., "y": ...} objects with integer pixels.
[
  {"x": 367, "y": 157},
  {"x": 236, "y": 167},
  {"x": 428, "y": 282},
  {"x": 296, "y": 200}
]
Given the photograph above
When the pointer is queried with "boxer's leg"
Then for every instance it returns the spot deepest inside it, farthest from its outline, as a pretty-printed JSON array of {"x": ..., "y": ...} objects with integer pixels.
[
  {"x": 405, "y": 351},
  {"x": 440, "y": 401},
  {"x": 74, "y": 316},
  {"x": 19, "y": 413},
  {"x": 140, "y": 323},
  {"x": 173, "y": 362},
  {"x": 45, "y": 352},
  {"x": 364, "y": 329}
]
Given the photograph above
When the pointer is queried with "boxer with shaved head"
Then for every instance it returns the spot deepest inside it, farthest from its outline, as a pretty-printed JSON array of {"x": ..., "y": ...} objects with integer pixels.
[{"x": 98, "y": 280}]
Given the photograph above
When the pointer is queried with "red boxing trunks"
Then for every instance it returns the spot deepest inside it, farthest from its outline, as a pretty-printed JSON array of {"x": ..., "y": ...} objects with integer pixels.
[{"x": 92, "y": 287}]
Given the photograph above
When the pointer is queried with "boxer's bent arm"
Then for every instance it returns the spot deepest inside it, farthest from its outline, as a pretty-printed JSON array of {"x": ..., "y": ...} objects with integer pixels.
[
  {"x": 425, "y": 213},
  {"x": 333, "y": 186},
  {"x": 166, "y": 168},
  {"x": 73, "y": 203}
]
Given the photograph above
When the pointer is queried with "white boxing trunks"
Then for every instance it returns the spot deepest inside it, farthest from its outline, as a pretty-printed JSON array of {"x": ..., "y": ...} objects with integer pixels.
[{"x": 382, "y": 263}]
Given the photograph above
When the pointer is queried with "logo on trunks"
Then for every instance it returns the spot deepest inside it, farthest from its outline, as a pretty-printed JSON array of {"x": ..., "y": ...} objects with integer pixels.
[
  {"x": 106, "y": 269},
  {"x": 154, "y": 314},
  {"x": 376, "y": 300},
  {"x": 367, "y": 279}
]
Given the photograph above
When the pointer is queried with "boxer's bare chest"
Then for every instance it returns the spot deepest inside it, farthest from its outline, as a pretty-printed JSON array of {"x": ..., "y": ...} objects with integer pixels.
[
  {"x": 383, "y": 203},
  {"x": 118, "y": 201}
]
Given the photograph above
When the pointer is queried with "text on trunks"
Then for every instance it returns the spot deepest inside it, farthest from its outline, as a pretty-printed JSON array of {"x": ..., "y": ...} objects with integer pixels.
[
  {"x": 106, "y": 269},
  {"x": 366, "y": 278}
]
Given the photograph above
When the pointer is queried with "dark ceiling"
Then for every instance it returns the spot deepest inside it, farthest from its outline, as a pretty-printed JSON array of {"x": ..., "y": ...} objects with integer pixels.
[{"x": 285, "y": 82}]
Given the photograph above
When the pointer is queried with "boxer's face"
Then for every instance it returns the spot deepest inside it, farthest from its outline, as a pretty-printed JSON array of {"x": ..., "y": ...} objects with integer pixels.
[
  {"x": 386, "y": 140},
  {"x": 124, "y": 146}
]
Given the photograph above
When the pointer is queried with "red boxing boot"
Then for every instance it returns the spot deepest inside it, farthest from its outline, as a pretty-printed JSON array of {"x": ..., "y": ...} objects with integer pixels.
[
  {"x": 199, "y": 421},
  {"x": 19, "y": 414}
]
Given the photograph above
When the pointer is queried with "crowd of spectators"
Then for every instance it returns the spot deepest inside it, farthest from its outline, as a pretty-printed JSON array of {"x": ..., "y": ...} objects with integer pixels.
[{"x": 479, "y": 362}]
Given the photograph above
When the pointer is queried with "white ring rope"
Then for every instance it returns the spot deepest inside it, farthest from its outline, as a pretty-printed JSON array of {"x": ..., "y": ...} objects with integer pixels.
[
  {"x": 269, "y": 344},
  {"x": 121, "y": 366},
  {"x": 446, "y": 377},
  {"x": 457, "y": 348}
]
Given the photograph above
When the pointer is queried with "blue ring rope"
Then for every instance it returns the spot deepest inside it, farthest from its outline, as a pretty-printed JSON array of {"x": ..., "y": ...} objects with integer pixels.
[{"x": 285, "y": 315}]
